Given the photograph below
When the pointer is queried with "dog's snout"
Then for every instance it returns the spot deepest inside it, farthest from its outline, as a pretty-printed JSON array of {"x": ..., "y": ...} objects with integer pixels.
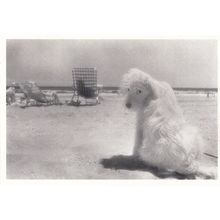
[{"x": 128, "y": 105}]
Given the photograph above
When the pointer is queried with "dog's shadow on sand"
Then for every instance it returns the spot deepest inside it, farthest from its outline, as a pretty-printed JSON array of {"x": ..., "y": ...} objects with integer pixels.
[{"x": 125, "y": 162}]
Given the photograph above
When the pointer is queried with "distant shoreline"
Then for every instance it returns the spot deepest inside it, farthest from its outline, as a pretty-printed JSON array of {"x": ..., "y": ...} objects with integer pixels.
[{"x": 115, "y": 88}]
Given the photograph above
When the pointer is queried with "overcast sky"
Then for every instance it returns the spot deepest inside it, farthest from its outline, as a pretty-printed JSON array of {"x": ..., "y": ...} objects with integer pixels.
[{"x": 182, "y": 63}]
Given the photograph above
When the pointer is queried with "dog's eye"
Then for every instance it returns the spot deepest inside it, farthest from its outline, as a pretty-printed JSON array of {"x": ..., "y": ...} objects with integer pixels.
[
  {"x": 128, "y": 89},
  {"x": 138, "y": 91}
]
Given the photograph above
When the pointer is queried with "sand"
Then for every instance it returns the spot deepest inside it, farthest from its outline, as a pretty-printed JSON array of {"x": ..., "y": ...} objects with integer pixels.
[{"x": 66, "y": 142}]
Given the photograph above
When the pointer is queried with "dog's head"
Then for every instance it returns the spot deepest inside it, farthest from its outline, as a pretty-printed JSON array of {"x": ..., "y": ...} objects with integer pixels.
[{"x": 139, "y": 89}]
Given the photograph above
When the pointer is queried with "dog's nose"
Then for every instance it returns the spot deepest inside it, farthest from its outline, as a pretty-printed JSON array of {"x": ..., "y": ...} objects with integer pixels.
[{"x": 128, "y": 105}]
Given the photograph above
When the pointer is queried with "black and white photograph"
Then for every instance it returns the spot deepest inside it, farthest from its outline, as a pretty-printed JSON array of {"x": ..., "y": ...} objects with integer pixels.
[{"x": 111, "y": 109}]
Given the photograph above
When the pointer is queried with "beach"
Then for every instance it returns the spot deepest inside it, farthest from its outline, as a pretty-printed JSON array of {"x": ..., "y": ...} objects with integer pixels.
[{"x": 68, "y": 142}]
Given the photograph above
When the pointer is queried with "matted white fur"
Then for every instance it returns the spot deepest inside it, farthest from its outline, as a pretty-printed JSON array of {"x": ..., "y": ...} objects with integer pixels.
[{"x": 163, "y": 138}]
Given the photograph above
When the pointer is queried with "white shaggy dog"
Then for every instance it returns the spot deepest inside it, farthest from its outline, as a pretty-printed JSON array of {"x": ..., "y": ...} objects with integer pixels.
[{"x": 163, "y": 138}]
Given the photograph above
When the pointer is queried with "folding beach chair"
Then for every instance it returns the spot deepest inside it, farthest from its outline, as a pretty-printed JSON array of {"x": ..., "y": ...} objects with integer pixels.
[{"x": 84, "y": 86}]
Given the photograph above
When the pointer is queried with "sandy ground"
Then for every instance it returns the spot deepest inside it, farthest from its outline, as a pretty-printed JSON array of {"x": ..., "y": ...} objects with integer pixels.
[{"x": 90, "y": 142}]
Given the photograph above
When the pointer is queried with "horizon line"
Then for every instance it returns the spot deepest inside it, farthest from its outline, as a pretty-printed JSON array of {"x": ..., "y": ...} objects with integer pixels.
[{"x": 118, "y": 87}]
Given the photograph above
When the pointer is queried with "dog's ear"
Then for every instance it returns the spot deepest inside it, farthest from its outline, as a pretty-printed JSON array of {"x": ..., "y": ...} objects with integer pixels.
[
  {"x": 156, "y": 88},
  {"x": 165, "y": 94},
  {"x": 124, "y": 85}
]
